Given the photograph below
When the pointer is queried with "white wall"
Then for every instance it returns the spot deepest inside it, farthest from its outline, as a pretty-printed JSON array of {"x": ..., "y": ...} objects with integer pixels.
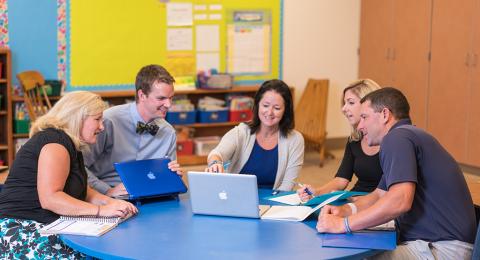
[{"x": 321, "y": 38}]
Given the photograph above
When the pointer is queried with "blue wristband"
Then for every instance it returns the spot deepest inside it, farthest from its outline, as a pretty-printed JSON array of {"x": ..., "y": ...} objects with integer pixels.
[{"x": 347, "y": 226}]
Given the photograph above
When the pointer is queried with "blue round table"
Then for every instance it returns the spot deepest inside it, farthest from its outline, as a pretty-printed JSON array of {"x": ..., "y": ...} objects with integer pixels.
[{"x": 169, "y": 230}]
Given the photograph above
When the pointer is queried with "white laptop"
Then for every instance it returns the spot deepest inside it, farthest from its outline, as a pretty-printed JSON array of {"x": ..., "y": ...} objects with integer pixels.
[{"x": 224, "y": 194}]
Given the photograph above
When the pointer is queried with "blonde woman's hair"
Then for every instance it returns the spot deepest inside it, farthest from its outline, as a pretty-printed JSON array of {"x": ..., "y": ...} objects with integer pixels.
[
  {"x": 359, "y": 88},
  {"x": 69, "y": 113}
]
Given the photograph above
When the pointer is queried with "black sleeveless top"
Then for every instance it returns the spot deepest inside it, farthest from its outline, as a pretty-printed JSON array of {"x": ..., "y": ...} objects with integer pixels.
[{"x": 19, "y": 196}]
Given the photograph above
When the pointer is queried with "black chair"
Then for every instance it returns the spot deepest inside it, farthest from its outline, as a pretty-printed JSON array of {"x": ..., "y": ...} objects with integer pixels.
[{"x": 476, "y": 246}]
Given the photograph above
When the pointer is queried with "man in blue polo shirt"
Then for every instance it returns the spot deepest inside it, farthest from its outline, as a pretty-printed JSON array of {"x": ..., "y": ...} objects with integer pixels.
[{"x": 422, "y": 188}]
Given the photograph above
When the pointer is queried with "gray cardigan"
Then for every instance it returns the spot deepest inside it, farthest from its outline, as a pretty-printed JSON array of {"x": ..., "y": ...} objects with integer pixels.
[{"x": 237, "y": 145}]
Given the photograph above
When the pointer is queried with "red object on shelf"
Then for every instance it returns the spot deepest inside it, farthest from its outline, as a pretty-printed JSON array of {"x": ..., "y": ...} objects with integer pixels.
[
  {"x": 241, "y": 115},
  {"x": 0, "y": 70},
  {"x": 185, "y": 147}
]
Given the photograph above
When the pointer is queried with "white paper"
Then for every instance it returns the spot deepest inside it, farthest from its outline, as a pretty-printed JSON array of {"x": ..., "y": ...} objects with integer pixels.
[
  {"x": 248, "y": 49},
  {"x": 207, "y": 61},
  {"x": 179, "y": 14},
  {"x": 215, "y": 17},
  {"x": 199, "y": 17},
  {"x": 200, "y": 7},
  {"x": 290, "y": 199},
  {"x": 179, "y": 39},
  {"x": 215, "y": 7},
  {"x": 207, "y": 37}
]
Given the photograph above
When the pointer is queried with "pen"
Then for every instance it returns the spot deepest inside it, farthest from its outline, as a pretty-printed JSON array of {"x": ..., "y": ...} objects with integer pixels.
[
  {"x": 226, "y": 164},
  {"x": 309, "y": 192}
]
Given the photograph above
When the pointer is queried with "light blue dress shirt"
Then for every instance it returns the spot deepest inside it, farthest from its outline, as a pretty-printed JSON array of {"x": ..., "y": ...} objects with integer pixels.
[{"x": 119, "y": 143}]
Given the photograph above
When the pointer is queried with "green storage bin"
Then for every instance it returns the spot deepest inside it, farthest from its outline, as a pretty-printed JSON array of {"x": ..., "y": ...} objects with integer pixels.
[
  {"x": 21, "y": 126},
  {"x": 53, "y": 87}
]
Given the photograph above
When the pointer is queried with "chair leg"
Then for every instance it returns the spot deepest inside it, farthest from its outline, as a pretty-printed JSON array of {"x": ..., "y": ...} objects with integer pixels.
[{"x": 322, "y": 154}]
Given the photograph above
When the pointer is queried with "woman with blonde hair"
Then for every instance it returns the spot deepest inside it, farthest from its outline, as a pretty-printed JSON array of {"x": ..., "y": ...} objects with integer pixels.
[
  {"x": 359, "y": 158},
  {"x": 48, "y": 179}
]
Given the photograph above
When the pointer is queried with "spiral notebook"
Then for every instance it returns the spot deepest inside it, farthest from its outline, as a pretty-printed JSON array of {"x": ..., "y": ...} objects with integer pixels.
[{"x": 85, "y": 226}]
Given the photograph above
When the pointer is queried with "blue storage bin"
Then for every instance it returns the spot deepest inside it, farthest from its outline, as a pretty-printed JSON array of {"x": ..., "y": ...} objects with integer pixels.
[
  {"x": 217, "y": 116},
  {"x": 181, "y": 118}
]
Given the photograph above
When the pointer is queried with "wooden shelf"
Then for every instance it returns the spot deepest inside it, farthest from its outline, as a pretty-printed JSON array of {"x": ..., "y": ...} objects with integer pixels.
[
  {"x": 20, "y": 98},
  {"x": 201, "y": 125},
  {"x": 3, "y": 147},
  {"x": 20, "y": 135},
  {"x": 3, "y": 112},
  {"x": 3, "y": 80},
  {"x": 192, "y": 160},
  {"x": 131, "y": 93}
]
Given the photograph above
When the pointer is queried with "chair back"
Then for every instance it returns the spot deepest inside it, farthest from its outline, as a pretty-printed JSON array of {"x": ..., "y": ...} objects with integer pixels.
[
  {"x": 36, "y": 99},
  {"x": 311, "y": 111}
]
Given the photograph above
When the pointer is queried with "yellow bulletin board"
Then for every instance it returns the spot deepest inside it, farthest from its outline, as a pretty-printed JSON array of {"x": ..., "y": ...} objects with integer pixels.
[{"x": 108, "y": 41}]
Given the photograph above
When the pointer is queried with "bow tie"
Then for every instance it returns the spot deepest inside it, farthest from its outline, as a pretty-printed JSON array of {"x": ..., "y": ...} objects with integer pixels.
[{"x": 151, "y": 128}]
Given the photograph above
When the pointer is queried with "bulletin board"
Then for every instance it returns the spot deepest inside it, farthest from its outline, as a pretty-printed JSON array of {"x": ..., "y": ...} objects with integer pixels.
[{"x": 108, "y": 41}]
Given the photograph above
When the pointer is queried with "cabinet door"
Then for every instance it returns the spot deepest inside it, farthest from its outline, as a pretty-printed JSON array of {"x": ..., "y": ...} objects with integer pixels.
[
  {"x": 411, "y": 45},
  {"x": 375, "y": 38},
  {"x": 449, "y": 78},
  {"x": 473, "y": 127}
]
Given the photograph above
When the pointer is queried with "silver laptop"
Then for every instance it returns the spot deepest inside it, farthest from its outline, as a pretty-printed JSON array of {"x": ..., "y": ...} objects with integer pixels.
[{"x": 224, "y": 194}]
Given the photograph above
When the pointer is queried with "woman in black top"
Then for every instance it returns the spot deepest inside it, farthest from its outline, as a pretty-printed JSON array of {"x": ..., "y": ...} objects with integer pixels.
[
  {"x": 48, "y": 179},
  {"x": 359, "y": 158}
]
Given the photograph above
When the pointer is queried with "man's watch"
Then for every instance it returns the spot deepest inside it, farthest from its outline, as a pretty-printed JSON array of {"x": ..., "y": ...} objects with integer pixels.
[{"x": 215, "y": 162}]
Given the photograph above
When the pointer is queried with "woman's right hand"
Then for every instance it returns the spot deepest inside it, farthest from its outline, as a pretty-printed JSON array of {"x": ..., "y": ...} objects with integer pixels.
[
  {"x": 216, "y": 167},
  {"x": 117, "y": 208},
  {"x": 302, "y": 192}
]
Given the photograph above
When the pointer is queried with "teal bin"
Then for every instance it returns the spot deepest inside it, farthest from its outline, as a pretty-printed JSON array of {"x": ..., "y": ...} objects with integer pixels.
[{"x": 21, "y": 126}]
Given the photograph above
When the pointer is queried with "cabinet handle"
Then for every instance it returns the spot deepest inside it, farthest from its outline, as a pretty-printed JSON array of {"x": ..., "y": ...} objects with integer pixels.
[
  {"x": 467, "y": 60},
  {"x": 475, "y": 56}
]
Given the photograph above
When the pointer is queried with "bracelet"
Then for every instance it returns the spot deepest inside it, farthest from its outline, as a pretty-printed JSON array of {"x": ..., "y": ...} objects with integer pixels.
[
  {"x": 348, "y": 230},
  {"x": 98, "y": 211},
  {"x": 353, "y": 207},
  {"x": 214, "y": 162}
]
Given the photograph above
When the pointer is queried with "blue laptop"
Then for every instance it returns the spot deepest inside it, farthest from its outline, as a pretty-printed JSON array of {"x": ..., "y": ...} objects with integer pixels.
[{"x": 149, "y": 179}]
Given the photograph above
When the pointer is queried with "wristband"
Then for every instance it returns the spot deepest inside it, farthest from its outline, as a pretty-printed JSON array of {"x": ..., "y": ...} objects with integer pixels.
[
  {"x": 214, "y": 162},
  {"x": 353, "y": 207},
  {"x": 347, "y": 226}
]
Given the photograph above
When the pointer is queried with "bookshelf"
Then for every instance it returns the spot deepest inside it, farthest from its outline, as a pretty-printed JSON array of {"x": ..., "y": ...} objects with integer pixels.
[
  {"x": 6, "y": 139},
  {"x": 119, "y": 97}
]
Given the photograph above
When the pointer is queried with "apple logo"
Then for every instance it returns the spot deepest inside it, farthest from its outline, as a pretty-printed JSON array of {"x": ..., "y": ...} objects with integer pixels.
[
  {"x": 151, "y": 176},
  {"x": 223, "y": 195}
]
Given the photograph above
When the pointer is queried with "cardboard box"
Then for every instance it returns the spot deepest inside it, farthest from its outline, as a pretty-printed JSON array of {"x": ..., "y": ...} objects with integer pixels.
[{"x": 203, "y": 145}]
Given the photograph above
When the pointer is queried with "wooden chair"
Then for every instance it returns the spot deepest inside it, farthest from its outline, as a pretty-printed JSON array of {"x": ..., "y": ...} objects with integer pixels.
[
  {"x": 35, "y": 96},
  {"x": 311, "y": 115}
]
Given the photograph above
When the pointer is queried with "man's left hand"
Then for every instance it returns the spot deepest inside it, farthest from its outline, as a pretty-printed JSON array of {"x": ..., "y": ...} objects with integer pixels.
[
  {"x": 328, "y": 223},
  {"x": 175, "y": 167}
]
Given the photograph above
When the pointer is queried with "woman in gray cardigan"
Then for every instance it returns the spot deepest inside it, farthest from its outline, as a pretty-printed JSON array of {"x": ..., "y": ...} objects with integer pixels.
[{"x": 267, "y": 146}]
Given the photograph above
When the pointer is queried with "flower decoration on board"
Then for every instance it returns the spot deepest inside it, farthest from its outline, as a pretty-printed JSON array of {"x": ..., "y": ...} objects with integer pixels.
[
  {"x": 3, "y": 23},
  {"x": 61, "y": 39}
]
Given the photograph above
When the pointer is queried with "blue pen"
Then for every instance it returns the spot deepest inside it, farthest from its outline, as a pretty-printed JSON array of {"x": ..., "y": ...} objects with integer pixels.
[
  {"x": 226, "y": 164},
  {"x": 309, "y": 192}
]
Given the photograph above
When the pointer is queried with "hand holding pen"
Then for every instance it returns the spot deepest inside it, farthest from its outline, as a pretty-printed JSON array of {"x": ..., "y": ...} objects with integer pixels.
[
  {"x": 305, "y": 192},
  {"x": 218, "y": 166}
]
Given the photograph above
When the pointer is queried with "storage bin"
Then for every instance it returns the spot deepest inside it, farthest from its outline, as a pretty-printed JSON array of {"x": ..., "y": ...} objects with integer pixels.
[
  {"x": 21, "y": 126},
  {"x": 216, "y": 116},
  {"x": 181, "y": 118},
  {"x": 203, "y": 145},
  {"x": 241, "y": 115},
  {"x": 185, "y": 147},
  {"x": 55, "y": 87}
]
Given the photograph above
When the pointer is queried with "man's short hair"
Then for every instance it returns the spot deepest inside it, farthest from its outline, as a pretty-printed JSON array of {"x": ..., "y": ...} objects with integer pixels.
[
  {"x": 390, "y": 98},
  {"x": 150, "y": 74}
]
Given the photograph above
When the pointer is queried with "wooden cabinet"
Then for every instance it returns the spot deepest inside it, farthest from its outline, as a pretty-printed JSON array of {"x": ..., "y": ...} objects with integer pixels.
[
  {"x": 6, "y": 144},
  {"x": 442, "y": 90},
  {"x": 201, "y": 129},
  {"x": 394, "y": 48}
]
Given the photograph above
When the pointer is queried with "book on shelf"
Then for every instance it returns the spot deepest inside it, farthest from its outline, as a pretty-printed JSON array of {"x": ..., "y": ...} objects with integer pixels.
[
  {"x": 294, "y": 213},
  {"x": 82, "y": 225},
  {"x": 292, "y": 198}
]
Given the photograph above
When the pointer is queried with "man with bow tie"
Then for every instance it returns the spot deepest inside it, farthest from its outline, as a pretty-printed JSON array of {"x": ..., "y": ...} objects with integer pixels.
[{"x": 135, "y": 131}]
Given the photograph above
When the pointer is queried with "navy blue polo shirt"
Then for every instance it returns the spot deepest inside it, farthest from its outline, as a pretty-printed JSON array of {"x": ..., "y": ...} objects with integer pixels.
[
  {"x": 262, "y": 163},
  {"x": 442, "y": 207}
]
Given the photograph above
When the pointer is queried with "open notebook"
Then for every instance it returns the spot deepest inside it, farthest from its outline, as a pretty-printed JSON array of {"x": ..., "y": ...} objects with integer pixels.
[{"x": 86, "y": 226}]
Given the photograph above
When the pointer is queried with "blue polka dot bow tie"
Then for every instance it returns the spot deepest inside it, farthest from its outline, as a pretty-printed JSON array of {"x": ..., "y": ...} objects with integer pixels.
[{"x": 151, "y": 128}]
